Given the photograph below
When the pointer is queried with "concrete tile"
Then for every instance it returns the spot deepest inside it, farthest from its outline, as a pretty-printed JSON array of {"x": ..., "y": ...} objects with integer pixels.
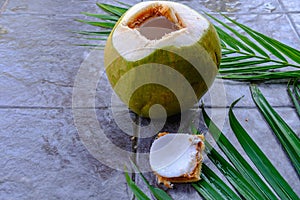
[
  {"x": 276, "y": 26},
  {"x": 224, "y": 93},
  {"x": 56, "y": 7},
  {"x": 43, "y": 157},
  {"x": 40, "y": 62},
  {"x": 107, "y": 134},
  {"x": 296, "y": 20},
  {"x": 291, "y": 6},
  {"x": 234, "y": 6}
]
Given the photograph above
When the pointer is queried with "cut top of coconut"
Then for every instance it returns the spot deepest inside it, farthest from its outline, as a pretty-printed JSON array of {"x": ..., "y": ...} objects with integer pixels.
[
  {"x": 175, "y": 155},
  {"x": 150, "y": 25}
]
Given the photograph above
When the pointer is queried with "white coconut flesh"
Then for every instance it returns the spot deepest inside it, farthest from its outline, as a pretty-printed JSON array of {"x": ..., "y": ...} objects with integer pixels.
[
  {"x": 175, "y": 155},
  {"x": 150, "y": 25}
]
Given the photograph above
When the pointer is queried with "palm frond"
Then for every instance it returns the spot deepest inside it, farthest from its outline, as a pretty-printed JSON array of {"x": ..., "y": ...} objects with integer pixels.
[
  {"x": 262, "y": 76},
  {"x": 259, "y": 58},
  {"x": 262, "y": 163},
  {"x": 294, "y": 94},
  {"x": 108, "y": 25},
  {"x": 212, "y": 187},
  {"x": 237, "y": 159},
  {"x": 111, "y": 9},
  {"x": 102, "y": 17},
  {"x": 158, "y": 193},
  {"x": 287, "y": 137},
  {"x": 271, "y": 44},
  {"x": 237, "y": 180},
  {"x": 138, "y": 193}
]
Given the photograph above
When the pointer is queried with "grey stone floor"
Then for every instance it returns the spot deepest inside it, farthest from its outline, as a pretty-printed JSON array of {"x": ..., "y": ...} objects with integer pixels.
[{"x": 49, "y": 121}]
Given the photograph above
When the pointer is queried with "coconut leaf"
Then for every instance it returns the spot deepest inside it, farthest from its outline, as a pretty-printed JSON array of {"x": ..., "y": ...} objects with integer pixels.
[
  {"x": 262, "y": 163},
  {"x": 242, "y": 64},
  {"x": 138, "y": 193},
  {"x": 287, "y": 137},
  {"x": 207, "y": 191},
  {"x": 211, "y": 186},
  {"x": 271, "y": 46},
  {"x": 215, "y": 183},
  {"x": 260, "y": 40},
  {"x": 228, "y": 52},
  {"x": 262, "y": 76},
  {"x": 124, "y": 4},
  {"x": 269, "y": 43},
  {"x": 158, "y": 193},
  {"x": 227, "y": 39},
  {"x": 103, "y": 17},
  {"x": 99, "y": 39},
  {"x": 294, "y": 95},
  {"x": 237, "y": 180},
  {"x": 249, "y": 69},
  {"x": 237, "y": 159},
  {"x": 246, "y": 40},
  {"x": 109, "y": 25},
  {"x": 111, "y": 9},
  {"x": 297, "y": 91},
  {"x": 233, "y": 59},
  {"x": 93, "y": 33}
]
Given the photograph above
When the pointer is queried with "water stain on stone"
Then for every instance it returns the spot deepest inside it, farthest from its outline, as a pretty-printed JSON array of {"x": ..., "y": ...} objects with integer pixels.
[
  {"x": 222, "y": 6},
  {"x": 49, "y": 149},
  {"x": 3, "y": 30},
  {"x": 269, "y": 7},
  {"x": 20, "y": 8}
]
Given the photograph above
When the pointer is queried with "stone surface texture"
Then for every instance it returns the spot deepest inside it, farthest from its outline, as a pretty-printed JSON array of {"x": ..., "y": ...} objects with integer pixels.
[{"x": 55, "y": 106}]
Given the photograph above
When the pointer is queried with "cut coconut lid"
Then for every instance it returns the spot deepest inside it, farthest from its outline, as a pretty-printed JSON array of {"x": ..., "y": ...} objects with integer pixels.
[
  {"x": 150, "y": 25},
  {"x": 174, "y": 155}
]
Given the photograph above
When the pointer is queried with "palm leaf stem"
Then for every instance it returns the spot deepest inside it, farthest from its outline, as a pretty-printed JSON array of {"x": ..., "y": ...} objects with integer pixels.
[{"x": 285, "y": 64}]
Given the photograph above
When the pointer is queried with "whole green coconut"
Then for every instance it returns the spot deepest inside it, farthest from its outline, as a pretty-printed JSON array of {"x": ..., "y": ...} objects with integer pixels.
[{"x": 162, "y": 52}]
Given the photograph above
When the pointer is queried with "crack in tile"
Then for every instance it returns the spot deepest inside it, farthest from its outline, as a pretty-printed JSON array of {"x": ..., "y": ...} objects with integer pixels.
[{"x": 3, "y": 7}]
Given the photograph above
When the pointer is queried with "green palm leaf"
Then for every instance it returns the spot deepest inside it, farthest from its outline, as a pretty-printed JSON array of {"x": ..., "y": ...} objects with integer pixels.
[
  {"x": 233, "y": 59},
  {"x": 110, "y": 9},
  {"x": 269, "y": 172},
  {"x": 237, "y": 180},
  {"x": 243, "y": 38},
  {"x": 262, "y": 76},
  {"x": 158, "y": 193},
  {"x": 249, "y": 69},
  {"x": 286, "y": 136},
  {"x": 138, "y": 193},
  {"x": 109, "y": 25},
  {"x": 207, "y": 190},
  {"x": 260, "y": 40},
  {"x": 212, "y": 184},
  {"x": 294, "y": 95},
  {"x": 237, "y": 159},
  {"x": 242, "y": 64},
  {"x": 103, "y": 17},
  {"x": 269, "y": 43}
]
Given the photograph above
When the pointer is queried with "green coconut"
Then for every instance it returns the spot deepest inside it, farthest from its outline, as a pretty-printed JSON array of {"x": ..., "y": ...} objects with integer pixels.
[{"x": 162, "y": 53}]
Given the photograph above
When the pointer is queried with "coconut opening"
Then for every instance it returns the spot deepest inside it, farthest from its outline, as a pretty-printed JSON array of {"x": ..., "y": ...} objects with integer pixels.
[{"x": 156, "y": 21}]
